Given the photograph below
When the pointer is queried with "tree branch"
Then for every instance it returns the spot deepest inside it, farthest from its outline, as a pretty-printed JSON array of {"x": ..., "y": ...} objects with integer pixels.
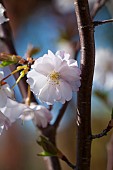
[
  {"x": 97, "y": 23},
  {"x": 97, "y": 6},
  {"x": 86, "y": 33},
  {"x": 50, "y": 132},
  {"x": 105, "y": 131},
  {"x": 60, "y": 115}
]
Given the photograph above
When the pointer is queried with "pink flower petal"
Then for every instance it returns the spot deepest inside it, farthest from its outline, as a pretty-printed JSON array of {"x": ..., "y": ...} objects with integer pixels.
[
  {"x": 65, "y": 90},
  {"x": 49, "y": 94},
  {"x": 3, "y": 98}
]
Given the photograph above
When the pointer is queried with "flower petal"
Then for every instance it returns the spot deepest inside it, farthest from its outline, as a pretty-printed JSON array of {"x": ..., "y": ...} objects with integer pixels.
[
  {"x": 65, "y": 90},
  {"x": 36, "y": 81},
  {"x": 49, "y": 94},
  {"x": 63, "y": 55},
  {"x": 70, "y": 74},
  {"x": 9, "y": 92},
  {"x": 75, "y": 85},
  {"x": 3, "y": 98},
  {"x": 13, "y": 110},
  {"x": 4, "y": 122},
  {"x": 42, "y": 116},
  {"x": 44, "y": 69},
  {"x": 1, "y": 75}
]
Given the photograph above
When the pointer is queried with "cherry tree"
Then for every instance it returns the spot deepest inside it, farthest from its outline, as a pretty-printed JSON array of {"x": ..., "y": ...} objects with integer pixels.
[{"x": 53, "y": 78}]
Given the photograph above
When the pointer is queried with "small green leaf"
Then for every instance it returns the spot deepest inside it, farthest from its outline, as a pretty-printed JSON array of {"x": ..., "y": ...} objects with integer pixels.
[
  {"x": 44, "y": 153},
  {"x": 49, "y": 148},
  {"x": 5, "y": 63},
  {"x": 47, "y": 145}
]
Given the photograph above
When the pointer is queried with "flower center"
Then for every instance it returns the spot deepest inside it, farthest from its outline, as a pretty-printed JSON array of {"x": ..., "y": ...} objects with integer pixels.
[{"x": 54, "y": 76}]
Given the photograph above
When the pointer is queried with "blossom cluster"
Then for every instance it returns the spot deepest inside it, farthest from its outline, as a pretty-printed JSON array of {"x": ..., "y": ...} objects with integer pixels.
[
  {"x": 52, "y": 78},
  {"x": 11, "y": 110}
]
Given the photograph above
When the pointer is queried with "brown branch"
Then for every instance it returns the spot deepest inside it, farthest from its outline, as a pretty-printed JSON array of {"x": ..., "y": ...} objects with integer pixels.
[
  {"x": 97, "y": 6},
  {"x": 50, "y": 132},
  {"x": 86, "y": 33},
  {"x": 97, "y": 23},
  {"x": 68, "y": 163},
  {"x": 60, "y": 115},
  {"x": 105, "y": 131}
]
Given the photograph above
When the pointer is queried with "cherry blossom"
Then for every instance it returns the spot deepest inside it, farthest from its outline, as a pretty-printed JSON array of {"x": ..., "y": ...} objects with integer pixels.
[
  {"x": 2, "y": 17},
  {"x": 4, "y": 122},
  {"x": 5, "y": 91},
  {"x": 40, "y": 115},
  {"x": 54, "y": 77},
  {"x": 10, "y": 113}
]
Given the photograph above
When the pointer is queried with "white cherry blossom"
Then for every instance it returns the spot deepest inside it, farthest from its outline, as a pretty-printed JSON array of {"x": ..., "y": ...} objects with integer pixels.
[
  {"x": 54, "y": 77},
  {"x": 13, "y": 110},
  {"x": 4, "y": 122},
  {"x": 2, "y": 17},
  {"x": 40, "y": 115},
  {"x": 10, "y": 113},
  {"x": 5, "y": 91}
]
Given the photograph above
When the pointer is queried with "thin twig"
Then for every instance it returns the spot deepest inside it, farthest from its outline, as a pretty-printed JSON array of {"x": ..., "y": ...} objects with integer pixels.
[
  {"x": 97, "y": 23},
  {"x": 60, "y": 115},
  {"x": 105, "y": 131},
  {"x": 97, "y": 6},
  {"x": 69, "y": 163}
]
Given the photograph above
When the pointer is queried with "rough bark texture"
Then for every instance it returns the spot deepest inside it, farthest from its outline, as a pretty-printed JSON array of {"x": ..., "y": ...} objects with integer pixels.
[{"x": 86, "y": 33}]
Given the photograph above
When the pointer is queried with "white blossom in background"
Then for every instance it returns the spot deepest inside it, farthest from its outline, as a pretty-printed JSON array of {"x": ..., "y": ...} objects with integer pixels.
[
  {"x": 4, "y": 122},
  {"x": 103, "y": 74},
  {"x": 13, "y": 110},
  {"x": 10, "y": 113},
  {"x": 54, "y": 77},
  {"x": 67, "y": 46},
  {"x": 40, "y": 115},
  {"x": 2, "y": 17},
  {"x": 5, "y": 91},
  {"x": 64, "y": 6}
]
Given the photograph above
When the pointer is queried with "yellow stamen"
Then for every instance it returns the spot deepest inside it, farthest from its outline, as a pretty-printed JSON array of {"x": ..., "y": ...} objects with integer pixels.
[{"x": 54, "y": 76}]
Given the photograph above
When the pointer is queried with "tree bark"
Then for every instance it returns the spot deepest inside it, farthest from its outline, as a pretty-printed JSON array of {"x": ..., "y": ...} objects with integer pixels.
[{"x": 86, "y": 33}]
